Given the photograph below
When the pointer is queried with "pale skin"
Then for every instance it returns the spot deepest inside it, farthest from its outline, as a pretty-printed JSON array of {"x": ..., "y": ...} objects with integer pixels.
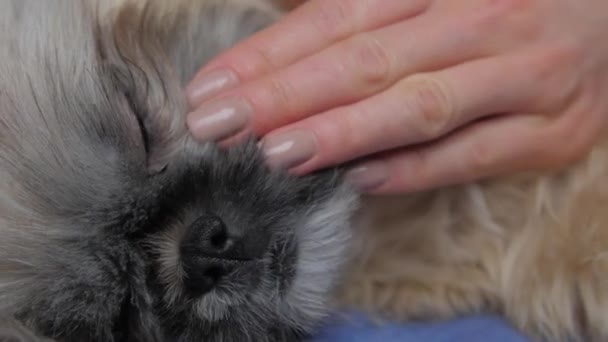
[{"x": 413, "y": 95}]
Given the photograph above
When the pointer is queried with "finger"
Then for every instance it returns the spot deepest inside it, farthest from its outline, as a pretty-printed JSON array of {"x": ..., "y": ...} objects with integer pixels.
[
  {"x": 415, "y": 110},
  {"x": 355, "y": 68},
  {"x": 309, "y": 28},
  {"x": 489, "y": 148}
]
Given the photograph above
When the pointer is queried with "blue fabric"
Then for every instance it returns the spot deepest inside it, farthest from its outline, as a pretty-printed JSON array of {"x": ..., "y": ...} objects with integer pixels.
[{"x": 468, "y": 329}]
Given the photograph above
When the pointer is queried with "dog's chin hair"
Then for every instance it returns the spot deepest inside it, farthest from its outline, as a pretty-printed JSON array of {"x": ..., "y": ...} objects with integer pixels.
[{"x": 215, "y": 305}]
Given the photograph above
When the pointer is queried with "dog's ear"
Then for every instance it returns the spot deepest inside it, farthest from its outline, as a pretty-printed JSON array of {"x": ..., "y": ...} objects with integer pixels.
[
  {"x": 191, "y": 32},
  {"x": 152, "y": 49}
]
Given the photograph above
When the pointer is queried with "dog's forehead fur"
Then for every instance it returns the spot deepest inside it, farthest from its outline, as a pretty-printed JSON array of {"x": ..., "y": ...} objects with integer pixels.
[{"x": 77, "y": 176}]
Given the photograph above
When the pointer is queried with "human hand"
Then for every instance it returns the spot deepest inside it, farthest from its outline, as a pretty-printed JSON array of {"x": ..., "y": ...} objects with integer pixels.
[{"x": 415, "y": 94}]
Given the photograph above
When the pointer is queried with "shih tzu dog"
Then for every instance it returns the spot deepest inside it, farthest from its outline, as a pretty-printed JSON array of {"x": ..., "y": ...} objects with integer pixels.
[{"x": 116, "y": 226}]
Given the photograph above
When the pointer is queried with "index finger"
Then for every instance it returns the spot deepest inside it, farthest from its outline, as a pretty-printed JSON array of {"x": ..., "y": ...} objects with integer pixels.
[{"x": 310, "y": 28}]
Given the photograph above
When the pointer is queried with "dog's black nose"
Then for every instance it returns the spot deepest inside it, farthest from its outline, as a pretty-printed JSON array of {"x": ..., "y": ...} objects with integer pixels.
[
  {"x": 210, "y": 250},
  {"x": 208, "y": 237}
]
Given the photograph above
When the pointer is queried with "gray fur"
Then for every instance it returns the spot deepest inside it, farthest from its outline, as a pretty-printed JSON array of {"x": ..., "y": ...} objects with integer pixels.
[{"x": 92, "y": 210}]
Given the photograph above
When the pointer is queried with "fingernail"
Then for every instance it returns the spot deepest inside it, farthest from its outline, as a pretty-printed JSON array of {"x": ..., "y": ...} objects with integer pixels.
[
  {"x": 290, "y": 149},
  {"x": 368, "y": 176},
  {"x": 219, "y": 119},
  {"x": 209, "y": 85}
]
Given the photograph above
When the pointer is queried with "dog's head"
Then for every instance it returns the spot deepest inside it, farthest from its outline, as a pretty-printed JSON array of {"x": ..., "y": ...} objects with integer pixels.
[{"x": 114, "y": 224}]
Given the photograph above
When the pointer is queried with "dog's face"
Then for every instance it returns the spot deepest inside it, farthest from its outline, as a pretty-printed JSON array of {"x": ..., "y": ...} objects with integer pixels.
[{"x": 115, "y": 225}]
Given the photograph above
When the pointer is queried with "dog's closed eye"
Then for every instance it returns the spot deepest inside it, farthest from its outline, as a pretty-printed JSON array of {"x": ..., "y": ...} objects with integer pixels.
[{"x": 137, "y": 111}]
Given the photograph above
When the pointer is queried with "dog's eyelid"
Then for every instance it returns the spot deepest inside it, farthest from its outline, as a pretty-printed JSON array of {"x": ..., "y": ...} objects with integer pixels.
[
  {"x": 154, "y": 170},
  {"x": 137, "y": 112}
]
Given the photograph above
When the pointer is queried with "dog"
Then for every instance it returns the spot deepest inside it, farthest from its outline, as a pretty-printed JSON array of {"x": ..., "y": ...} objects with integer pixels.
[{"x": 116, "y": 226}]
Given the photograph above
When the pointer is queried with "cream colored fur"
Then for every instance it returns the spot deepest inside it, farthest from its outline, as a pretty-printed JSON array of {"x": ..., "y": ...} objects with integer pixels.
[{"x": 531, "y": 247}]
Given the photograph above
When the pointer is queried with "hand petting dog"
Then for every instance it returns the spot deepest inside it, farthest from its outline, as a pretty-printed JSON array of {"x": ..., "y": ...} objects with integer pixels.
[{"x": 414, "y": 94}]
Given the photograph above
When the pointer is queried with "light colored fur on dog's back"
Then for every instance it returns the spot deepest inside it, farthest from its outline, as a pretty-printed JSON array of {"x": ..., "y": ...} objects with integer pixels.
[{"x": 532, "y": 247}]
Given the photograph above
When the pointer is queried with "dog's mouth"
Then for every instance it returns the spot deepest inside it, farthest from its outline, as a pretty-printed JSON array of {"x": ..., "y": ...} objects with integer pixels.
[
  {"x": 272, "y": 272},
  {"x": 235, "y": 283}
]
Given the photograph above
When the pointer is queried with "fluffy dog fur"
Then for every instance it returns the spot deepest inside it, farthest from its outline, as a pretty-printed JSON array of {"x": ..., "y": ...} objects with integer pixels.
[{"x": 531, "y": 247}]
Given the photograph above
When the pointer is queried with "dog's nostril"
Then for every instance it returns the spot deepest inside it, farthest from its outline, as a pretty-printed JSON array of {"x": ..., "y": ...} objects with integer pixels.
[
  {"x": 203, "y": 276},
  {"x": 214, "y": 273},
  {"x": 219, "y": 239}
]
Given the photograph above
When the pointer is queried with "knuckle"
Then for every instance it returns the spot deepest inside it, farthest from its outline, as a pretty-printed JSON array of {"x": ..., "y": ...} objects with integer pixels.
[
  {"x": 259, "y": 62},
  {"x": 553, "y": 151},
  {"x": 555, "y": 59},
  {"x": 518, "y": 16},
  {"x": 418, "y": 168},
  {"x": 568, "y": 52},
  {"x": 549, "y": 70},
  {"x": 334, "y": 18},
  {"x": 483, "y": 157},
  {"x": 567, "y": 143},
  {"x": 429, "y": 104},
  {"x": 371, "y": 61},
  {"x": 280, "y": 95}
]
